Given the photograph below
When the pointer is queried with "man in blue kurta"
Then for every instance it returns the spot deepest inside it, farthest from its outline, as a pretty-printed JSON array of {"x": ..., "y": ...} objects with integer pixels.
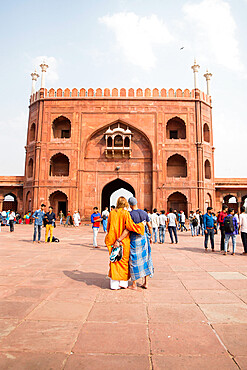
[{"x": 208, "y": 222}]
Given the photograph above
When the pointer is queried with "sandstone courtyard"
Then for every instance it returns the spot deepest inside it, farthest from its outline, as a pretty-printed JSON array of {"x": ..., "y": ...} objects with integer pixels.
[{"x": 57, "y": 312}]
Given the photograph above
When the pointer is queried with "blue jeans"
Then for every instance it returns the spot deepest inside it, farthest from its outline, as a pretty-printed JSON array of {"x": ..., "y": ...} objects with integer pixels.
[
  {"x": 209, "y": 234},
  {"x": 173, "y": 229},
  {"x": 227, "y": 238},
  {"x": 155, "y": 230},
  {"x": 183, "y": 227},
  {"x": 104, "y": 222},
  {"x": 37, "y": 228},
  {"x": 162, "y": 233}
]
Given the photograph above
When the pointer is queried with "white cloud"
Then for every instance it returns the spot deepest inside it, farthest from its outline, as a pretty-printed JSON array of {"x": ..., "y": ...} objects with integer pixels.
[
  {"x": 136, "y": 36},
  {"x": 214, "y": 32},
  {"x": 51, "y": 73}
]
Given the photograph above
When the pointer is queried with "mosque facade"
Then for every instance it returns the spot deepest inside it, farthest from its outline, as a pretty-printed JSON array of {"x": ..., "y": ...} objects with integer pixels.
[{"x": 83, "y": 145}]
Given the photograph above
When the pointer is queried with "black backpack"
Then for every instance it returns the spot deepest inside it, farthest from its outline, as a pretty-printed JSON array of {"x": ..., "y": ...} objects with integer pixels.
[
  {"x": 228, "y": 224},
  {"x": 195, "y": 222},
  {"x": 56, "y": 240}
]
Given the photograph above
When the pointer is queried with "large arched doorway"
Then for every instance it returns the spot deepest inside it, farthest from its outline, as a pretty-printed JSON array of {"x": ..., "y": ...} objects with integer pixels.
[
  {"x": 113, "y": 190},
  {"x": 59, "y": 201},
  {"x": 177, "y": 201},
  {"x": 10, "y": 202}
]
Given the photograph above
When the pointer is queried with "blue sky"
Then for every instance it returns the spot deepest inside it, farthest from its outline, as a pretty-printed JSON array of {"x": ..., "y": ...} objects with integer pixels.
[{"x": 126, "y": 43}]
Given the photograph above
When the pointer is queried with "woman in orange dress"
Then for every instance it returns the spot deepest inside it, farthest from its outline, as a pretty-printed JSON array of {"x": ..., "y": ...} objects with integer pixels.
[{"x": 119, "y": 220}]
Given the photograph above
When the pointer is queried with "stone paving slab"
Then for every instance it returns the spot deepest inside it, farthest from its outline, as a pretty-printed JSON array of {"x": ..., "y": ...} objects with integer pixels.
[{"x": 57, "y": 312}]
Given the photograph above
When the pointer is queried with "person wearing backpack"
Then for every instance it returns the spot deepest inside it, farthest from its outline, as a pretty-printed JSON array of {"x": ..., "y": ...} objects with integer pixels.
[
  {"x": 243, "y": 228},
  {"x": 220, "y": 219},
  {"x": 208, "y": 222},
  {"x": 231, "y": 230}
]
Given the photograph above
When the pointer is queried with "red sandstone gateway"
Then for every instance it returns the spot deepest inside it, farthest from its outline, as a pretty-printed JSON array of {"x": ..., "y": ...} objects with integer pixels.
[{"x": 84, "y": 145}]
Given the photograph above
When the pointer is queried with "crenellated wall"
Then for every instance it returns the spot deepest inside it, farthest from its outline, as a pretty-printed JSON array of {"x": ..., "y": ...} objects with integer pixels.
[{"x": 120, "y": 93}]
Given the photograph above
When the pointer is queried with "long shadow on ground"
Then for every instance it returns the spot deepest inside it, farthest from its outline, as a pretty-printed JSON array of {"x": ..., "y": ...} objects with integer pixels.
[{"x": 89, "y": 278}]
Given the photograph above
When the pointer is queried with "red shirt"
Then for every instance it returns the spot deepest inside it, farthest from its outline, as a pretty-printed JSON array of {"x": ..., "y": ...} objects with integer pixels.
[{"x": 221, "y": 216}]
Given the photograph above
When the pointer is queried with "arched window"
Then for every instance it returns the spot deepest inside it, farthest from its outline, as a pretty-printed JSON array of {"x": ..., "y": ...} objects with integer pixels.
[
  {"x": 176, "y": 129},
  {"x": 59, "y": 165},
  {"x": 176, "y": 166},
  {"x": 126, "y": 142},
  {"x": 61, "y": 128},
  {"x": 109, "y": 142},
  {"x": 207, "y": 169},
  {"x": 118, "y": 141},
  {"x": 30, "y": 168},
  {"x": 206, "y": 133},
  {"x": 32, "y": 132}
]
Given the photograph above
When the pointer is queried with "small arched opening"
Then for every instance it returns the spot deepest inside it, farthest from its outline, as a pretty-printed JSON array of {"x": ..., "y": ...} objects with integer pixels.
[
  {"x": 206, "y": 133},
  {"x": 61, "y": 128},
  {"x": 28, "y": 206},
  {"x": 207, "y": 168},
  {"x": 118, "y": 141},
  {"x": 59, "y": 165},
  {"x": 177, "y": 201},
  {"x": 208, "y": 201},
  {"x": 32, "y": 133},
  {"x": 30, "y": 168},
  {"x": 59, "y": 201},
  {"x": 176, "y": 128},
  {"x": 231, "y": 202},
  {"x": 10, "y": 202},
  {"x": 176, "y": 166}
]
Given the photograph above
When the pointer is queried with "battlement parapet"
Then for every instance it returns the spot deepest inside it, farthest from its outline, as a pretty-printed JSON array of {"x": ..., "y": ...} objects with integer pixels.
[{"x": 120, "y": 94}]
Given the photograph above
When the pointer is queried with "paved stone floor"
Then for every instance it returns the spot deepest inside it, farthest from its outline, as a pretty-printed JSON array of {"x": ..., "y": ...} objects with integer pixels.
[{"x": 56, "y": 311}]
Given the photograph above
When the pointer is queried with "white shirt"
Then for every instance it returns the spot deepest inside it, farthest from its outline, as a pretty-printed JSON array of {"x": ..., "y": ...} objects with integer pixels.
[
  {"x": 155, "y": 220},
  {"x": 198, "y": 218},
  {"x": 105, "y": 213},
  {"x": 182, "y": 217},
  {"x": 162, "y": 220},
  {"x": 172, "y": 219},
  {"x": 243, "y": 222},
  {"x": 12, "y": 216}
]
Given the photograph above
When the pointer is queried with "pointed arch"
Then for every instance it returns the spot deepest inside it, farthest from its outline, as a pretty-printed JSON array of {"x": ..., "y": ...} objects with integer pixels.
[
  {"x": 61, "y": 127},
  {"x": 176, "y": 166}
]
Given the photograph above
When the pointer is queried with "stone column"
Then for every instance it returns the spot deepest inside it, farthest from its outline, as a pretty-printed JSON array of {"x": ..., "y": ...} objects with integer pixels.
[
  {"x": 195, "y": 68},
  {"x": 43, "y": 67},
  {"x": 35, "y": 76},
  {"x": 208, "y": 78},
  {"x": 1, "y": 202}
]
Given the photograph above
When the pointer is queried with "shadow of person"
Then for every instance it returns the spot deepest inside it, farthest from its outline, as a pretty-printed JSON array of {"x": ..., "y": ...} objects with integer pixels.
[{"x": 89, "y": 278}]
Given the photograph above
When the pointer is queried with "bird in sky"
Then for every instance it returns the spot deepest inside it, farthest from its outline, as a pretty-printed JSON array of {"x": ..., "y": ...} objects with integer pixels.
[{"x": 182, "y": 48}]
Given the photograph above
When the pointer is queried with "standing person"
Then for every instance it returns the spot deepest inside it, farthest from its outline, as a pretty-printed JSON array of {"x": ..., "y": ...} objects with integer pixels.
[
  {"x": 171, "y": 224},
  {"x": 197, "y": 215},
  {"x": 140, "y": 262},
  {"x": 155, "y": 224},
  {"x": 208, "y": 222},
  {"x": 11, "y": 220},
  {"x": 104, "y": 216},
  {"x": 243, "y": 228},
  {"x": 201, "y": 223},
  {"x": 38, "y": 221},
  {"x": 182, "y": 218},
  {"x": 61, "y": 216},
  {"x": 193, "y": 223},
  {"x": 95, "y": 220},
  {"x": 50, "y": 221},
  {"x": 4, "y": 216},
  {"x": 119, "y": 220},
  {"x": 162, "y": 227},
  {"x": 76, "y": 217},
  {"x": 69, "y": 220},
  {"x": 221, "y": 217},
  {"x": 27, "y": 219},
  {"x": 231, "y": 230}
]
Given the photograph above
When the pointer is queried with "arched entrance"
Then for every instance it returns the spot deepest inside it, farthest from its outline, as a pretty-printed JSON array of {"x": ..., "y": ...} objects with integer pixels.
[
  {"x": 10, "y": 202},
  {"x": 177, "y": 201},
  {"x": 114, "y": 190},
  {"x": 59, "y": 201},
  {"x": 231, "y": 202}
]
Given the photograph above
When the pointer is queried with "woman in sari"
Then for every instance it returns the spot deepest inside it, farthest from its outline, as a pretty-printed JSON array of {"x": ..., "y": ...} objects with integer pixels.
[{"x": 118, "y": 221}]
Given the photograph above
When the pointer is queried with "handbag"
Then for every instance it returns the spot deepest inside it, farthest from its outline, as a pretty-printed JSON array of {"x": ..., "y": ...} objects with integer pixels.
[{"x": 116, "y": 253}]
